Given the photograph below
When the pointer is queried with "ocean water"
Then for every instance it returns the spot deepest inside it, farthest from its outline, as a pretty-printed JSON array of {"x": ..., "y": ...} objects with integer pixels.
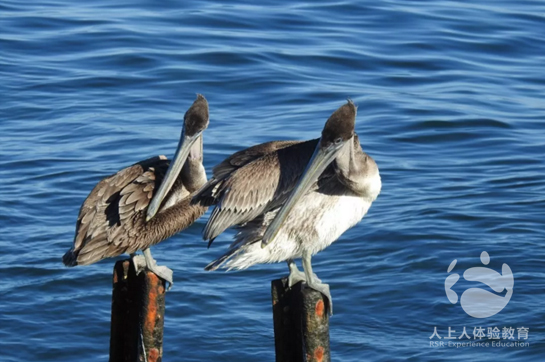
[{"x": 451, "y": 107}]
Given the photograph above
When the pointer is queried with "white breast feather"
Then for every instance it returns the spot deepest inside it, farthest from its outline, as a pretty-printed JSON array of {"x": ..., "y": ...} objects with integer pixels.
[
  {"x": 326, "y": 217},
  {"x": 336, "y": 218}
]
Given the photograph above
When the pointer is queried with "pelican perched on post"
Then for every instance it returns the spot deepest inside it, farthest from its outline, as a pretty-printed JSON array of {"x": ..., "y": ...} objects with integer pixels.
[
  {"x": 291, "y": 199},
  {"x": 114, "y": 218}
]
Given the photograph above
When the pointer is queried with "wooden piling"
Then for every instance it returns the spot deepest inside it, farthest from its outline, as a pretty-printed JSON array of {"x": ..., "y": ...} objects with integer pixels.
[
  {"x": 301, "y": 323},
  {"x": 138, "y": 308}
]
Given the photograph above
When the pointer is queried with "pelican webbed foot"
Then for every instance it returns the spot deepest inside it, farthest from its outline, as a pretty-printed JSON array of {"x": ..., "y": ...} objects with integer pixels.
[
  {"x": 161, "y": 271},
  {"x": 164, "y": 273},
  {"x": 296, "y": 275},
  {"x": 139, "y": 262},
  {"x": 314, "y": 283},
  {"x": 324, "y": 289}
]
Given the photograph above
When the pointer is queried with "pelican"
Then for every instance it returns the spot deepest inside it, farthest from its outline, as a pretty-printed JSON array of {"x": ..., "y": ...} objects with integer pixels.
[
  {"x": 291, "y": 199},
  {"x": 114, "y": 218}
]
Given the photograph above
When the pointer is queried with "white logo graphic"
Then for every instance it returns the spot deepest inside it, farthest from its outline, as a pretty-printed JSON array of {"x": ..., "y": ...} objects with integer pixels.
[{"x": 477, "y": 302}]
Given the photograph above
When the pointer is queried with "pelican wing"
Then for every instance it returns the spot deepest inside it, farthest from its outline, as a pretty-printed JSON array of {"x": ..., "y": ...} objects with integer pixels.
[
  {"x": 261, "y": 183},
  {"x": 243, "y": 157},
  {"x": 207, "y": 195},
  {"x": 105, "y": 225}
]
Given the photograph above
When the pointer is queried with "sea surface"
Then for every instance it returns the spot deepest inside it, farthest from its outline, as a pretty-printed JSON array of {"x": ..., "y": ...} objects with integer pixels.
[{"x": 451, "y": 98}]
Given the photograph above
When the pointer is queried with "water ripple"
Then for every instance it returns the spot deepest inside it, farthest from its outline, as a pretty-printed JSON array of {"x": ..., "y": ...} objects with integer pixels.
[{"x": 450, "y": 99}]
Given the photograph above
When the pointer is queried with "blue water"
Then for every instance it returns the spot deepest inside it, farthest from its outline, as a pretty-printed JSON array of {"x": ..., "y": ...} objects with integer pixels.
[{"x": 451, "y": 106}]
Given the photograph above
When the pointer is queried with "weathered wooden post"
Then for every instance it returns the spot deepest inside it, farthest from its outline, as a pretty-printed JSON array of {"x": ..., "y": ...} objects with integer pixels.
[
  {"x": 301, "y": 323},
  {"x": 138, "y": 309}
]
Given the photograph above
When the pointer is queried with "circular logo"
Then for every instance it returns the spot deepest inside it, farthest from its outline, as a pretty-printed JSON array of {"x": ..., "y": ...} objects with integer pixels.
[{"x": 477, "y": 302}]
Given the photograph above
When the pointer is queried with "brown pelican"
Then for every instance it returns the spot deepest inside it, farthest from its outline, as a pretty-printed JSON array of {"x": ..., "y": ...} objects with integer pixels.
[
  {"x": 291, "y": 199},
  {"x": 113, "y": 221}
]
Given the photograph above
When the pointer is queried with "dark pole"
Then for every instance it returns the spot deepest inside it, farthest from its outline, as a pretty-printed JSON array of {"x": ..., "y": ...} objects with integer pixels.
[
  {"x": 301, "y": 323},
  {"x": 138, "y": 309}
]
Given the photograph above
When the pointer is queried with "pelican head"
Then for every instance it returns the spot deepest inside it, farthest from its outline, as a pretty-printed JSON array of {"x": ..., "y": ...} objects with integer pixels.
[
  {"x": 338, "y": 132},
  {"x": 195, "y": 122}
]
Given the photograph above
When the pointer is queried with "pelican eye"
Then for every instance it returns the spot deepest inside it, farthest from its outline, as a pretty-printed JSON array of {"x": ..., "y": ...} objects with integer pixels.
[{"x": 338, "y": 141}]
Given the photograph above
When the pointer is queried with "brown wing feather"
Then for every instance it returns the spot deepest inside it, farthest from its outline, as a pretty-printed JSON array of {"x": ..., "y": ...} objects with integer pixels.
[
  {"x": 207, "y": 195},
  {"x": 257, "y": 186},
  {"x": 98, "y": 212},
  {"x": 109, "y": 219},
  {"x": 243, "y": 157}
]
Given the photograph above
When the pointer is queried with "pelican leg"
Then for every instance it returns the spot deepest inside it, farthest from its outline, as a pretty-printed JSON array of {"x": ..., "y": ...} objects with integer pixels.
[
  {"x": 161, "y": 271},
  {"x": 315, "y": 283}
]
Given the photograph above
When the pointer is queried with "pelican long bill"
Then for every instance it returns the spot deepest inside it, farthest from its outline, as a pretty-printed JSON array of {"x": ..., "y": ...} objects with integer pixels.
[
  {"x": 173, "y": 171},
  {"x": 321, "y": 158}
]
